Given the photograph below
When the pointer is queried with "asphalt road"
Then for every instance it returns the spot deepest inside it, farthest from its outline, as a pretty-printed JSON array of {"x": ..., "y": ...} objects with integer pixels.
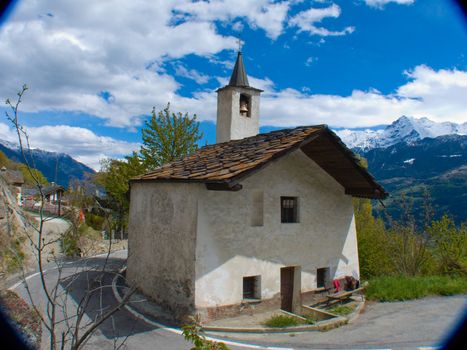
[{"x": 418, "y": 324}]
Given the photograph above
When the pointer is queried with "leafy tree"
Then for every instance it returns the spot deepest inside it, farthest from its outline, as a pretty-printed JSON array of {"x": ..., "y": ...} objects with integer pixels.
[
  {"x": 194, "y": 334},
  {"x": 32, "y": 176},
  {"x": 114, "y": 177},
  {"x": 115, "y": 174},
  {"x": 449, "y": 245},
  {"x": 168, "y": 136},
  {"x": 407, "y": 244},
  {"x": 372, "y": 241},
  {"x": 4, "y": 160},
  {"x": 371, "y": 237}
]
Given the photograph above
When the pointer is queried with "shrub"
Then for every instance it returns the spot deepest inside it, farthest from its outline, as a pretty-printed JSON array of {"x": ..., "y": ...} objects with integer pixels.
[
  {"x": 449, "y": 246},
  {"x": 12, "y": 257},
  {"x": 372, "y": 241},
  {"x": 69, "y": 243},
  {"x": 71, "y": 239},
  {"x": 94, "y": 221},
  {"x": 193, "y": 333},
  {"x": 408, "y": 250},
  {"x": 399, "y": 288},
  {"x": 281, "y": 321}
]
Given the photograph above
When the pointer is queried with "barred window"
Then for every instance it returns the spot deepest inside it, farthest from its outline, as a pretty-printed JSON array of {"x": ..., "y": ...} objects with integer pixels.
[{"x": 289, "y": 209}]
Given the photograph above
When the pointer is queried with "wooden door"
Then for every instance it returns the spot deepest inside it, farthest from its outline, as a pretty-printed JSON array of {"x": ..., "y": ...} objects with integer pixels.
[{"x": 287, "y": 282}]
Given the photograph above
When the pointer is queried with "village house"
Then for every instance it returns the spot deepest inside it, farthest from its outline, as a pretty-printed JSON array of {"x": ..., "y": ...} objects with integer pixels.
[
  {"x": 53, "y": 195},
  {"x": 254, "y": 218},
  {"x": 14, "y": 178},
  {"x": 53, "y": 198}
]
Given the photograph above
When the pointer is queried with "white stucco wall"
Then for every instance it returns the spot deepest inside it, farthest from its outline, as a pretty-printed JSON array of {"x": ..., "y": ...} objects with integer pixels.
[
  {"x": 161, "y": 243},
  {"x": 229, "y": 248},
  {"x": 230, "y": 124}
]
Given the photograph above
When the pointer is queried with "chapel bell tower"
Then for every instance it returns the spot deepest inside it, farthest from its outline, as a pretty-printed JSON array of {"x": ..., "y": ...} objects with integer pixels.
[{"x": 237, "y": 107}]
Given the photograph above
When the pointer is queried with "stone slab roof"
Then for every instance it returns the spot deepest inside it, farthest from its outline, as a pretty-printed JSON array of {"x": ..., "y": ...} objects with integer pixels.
[
  {"x": 53, "y": 188},
  {"x": 12, "y": 177},
  {"x": 222, "y": 166}
]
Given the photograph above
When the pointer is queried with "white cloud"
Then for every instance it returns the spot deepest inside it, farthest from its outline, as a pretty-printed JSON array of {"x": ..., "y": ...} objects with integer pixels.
[
  {"x": 6, "y": 133},
  {"x": 182, "y": 71},
  {"x": 68, "y": 53},
  {"x": 437, "y": 95},
  {"x": 237, "y": 26},
  {"x": 309, "y": 61},
  {"x": 86, "y": 48},
  {"x": 80, "y": 143},
  {"x": 259, "y": 13},
  {"x": 381, "y": 3},
  {"x": 306, "y": 21},
  {"x": 442, "y": 93}
]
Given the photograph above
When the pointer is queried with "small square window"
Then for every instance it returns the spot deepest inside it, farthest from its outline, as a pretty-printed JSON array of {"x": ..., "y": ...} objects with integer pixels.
[
  {"x": 252, "y": 287},
  {"x": 289, "y": 209},
  {"x": 323, "y": 277}
]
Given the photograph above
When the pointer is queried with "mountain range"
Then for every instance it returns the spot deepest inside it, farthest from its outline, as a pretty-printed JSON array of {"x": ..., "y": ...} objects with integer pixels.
[
  {"x": 437, "y": 166},
  {"x": 56, "y": 167},
  {"x": 405, "y": 129},
  {"x": 412, "y": 157},
  {"x": 408, "y": 157}
]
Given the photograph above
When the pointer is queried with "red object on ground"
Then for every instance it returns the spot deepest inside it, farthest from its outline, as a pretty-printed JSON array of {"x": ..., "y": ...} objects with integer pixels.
[
  {"x": 81, "y": 216},
  {"x": 337, "y": 285}
]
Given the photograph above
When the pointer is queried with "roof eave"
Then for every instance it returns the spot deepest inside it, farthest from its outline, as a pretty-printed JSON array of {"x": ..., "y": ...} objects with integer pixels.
[{"x": 373, "y": 191}]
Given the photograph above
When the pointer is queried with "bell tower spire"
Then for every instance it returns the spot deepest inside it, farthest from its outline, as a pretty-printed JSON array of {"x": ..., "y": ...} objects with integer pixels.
[
  {"x": 239, "y": 77},
  {"x": 237, "y": 106}
]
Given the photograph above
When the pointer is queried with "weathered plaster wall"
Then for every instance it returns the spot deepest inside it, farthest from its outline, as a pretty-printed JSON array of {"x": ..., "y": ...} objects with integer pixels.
[
  {"x": 162, "y": 239},
  {"x": 229, "y": 248},
  {"x": 230, "y": 124}
]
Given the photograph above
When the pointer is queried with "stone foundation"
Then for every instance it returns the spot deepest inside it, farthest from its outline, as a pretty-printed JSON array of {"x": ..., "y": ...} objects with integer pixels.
[
  {"x": 244, "y": 308},
  {"x": 251, "y": 307}
]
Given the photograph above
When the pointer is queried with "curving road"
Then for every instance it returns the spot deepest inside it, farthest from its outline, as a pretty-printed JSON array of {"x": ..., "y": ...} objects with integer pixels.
[{"x": 419, "y": 324}]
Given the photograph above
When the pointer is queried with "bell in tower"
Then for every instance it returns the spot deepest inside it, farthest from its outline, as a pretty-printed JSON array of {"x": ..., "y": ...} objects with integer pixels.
[
  {"x": 237, "y": 106},
  {"x": 244, "y": 105}
]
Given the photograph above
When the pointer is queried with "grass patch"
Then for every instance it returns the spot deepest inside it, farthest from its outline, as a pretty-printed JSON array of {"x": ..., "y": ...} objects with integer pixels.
[
  {"x": 11, "y": 256},
  {"x": 282, "y": 321},
  {"x": 406, "y": 288},
  {"x": 342, "y": 310}
]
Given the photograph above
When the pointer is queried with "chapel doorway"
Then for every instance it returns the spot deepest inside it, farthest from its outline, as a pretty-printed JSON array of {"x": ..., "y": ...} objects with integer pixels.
[{"x": 290, "y": 288}]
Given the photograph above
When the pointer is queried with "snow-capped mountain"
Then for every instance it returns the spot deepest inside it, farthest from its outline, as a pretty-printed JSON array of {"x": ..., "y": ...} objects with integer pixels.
[
  {"x": 56, "y": 167},
  {"x": 405, "y": 129},
  {"x": 9, "y": 144}
]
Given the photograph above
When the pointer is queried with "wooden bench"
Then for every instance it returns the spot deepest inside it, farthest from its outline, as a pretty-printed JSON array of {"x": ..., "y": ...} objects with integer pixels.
[{"x": 344, "y": 295}]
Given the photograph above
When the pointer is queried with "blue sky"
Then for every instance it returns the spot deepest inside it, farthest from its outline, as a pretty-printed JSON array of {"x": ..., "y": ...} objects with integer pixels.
[{"x": 95, "y": 70}]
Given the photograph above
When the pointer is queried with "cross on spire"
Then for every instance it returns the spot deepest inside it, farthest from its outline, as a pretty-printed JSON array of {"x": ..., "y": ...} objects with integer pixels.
[{"x": 240, "y": 44}]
